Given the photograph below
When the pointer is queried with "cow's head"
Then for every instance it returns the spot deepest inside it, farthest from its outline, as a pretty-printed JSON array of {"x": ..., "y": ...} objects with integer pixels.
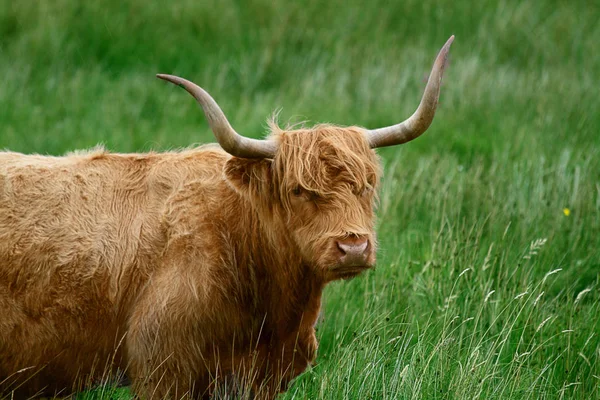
[
  {"x": 318, "y": 185},
  {"x": 319, "y": 188}
]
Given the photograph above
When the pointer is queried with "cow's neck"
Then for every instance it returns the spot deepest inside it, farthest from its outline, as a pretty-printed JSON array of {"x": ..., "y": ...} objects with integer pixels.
[{"x": 286, "y": 289}]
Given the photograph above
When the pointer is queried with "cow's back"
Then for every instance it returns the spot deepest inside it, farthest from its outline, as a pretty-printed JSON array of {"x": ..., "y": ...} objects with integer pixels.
[{"x": 79, "y": 236}]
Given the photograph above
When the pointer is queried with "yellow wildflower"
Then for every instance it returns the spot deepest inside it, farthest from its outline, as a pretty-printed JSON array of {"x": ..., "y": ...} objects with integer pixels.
[{"x": 566, "y": 211}]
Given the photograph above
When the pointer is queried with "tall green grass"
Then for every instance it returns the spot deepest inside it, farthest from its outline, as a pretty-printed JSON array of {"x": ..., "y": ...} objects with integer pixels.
[{"x": 484, "y": 288}]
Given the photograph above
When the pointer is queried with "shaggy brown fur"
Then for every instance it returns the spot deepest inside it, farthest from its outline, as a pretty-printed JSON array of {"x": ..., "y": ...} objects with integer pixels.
[{"x": 181, "y": 268}]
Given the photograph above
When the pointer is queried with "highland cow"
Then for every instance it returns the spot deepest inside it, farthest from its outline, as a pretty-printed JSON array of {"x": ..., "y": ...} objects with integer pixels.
[{"x": 187, "y": 270}]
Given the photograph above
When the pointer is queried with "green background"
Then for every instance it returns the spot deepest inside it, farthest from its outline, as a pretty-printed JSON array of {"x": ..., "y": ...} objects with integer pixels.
[{"x": 484, "y": 288}]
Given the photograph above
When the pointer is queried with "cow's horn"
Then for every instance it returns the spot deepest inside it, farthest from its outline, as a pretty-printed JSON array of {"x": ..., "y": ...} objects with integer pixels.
[
  {"x": 228, "y": 138},
  {"x": 418, "y": 123}
]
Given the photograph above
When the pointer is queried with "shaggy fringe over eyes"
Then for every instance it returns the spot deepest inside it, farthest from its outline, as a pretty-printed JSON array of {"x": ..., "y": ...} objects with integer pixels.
[{"x": 322, "y": 158}]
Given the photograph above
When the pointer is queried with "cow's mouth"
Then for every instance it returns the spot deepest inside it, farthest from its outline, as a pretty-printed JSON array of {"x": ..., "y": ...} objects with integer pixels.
[{"x": 349, "y": 271}]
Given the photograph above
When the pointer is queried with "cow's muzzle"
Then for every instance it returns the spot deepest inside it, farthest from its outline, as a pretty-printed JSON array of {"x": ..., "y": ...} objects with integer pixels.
[{"x": 353, "y": 251}]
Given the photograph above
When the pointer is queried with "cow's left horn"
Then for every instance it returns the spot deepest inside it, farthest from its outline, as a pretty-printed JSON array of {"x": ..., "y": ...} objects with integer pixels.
[
  {"x": 418, "y": 123},
  {"x": 232, "y": 142}
]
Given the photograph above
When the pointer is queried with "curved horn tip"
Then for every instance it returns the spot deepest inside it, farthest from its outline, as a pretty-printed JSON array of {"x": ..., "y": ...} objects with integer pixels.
[
  {"x": 446, "y": 48},
  {"x": 446, "y": 45},
  {"x": 171, "y": 78}
]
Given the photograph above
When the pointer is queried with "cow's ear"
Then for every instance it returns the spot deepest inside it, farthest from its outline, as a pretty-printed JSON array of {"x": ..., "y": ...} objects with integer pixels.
[{"x": 247, "y": 175}]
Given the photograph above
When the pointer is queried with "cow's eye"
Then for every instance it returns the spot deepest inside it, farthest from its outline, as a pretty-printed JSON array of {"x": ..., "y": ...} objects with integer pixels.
[
  {"x": 297, "y": 191},
  {"x": 366, "y": 191}
]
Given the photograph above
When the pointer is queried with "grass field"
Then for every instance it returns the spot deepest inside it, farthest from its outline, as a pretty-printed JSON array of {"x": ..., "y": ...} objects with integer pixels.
[{"x": 487, "y": 283}]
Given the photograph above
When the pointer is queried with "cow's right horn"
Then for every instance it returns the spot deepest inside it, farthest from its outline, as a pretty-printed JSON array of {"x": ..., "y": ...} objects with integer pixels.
[
  {"x": 417, "y": 123},
  {"x": 232, "y": 142}
]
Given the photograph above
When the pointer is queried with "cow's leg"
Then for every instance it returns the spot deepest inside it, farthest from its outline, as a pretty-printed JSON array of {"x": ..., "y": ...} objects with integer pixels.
[
  {"x": 294, "y": 355},
  {"x": 271, "y": 369},
  {"x": 156, "y": 375},
  {"x": 164, "y": 345}
]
